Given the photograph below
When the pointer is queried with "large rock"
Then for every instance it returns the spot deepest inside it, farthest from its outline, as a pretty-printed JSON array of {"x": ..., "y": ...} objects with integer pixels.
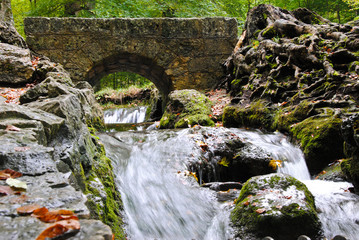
[
  {"x": 275, "y": 205},
  {"x": 186, "y": 108},
  {"x": 15, "y": 64},
  {"x": 225, "y": 156},
  {"x": 295, "y": 72}
]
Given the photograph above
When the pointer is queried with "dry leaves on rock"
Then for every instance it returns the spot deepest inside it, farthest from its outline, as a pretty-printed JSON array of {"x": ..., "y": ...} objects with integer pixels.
[
  {"x": 9, "y": 173},
  {"x": 60, "y": 228},
  {"x": 27, "y": 209},
  {"x": 47, "y": 216},
  {"x": 16, "y": 183},
  {"x": 65, "y": 222}
]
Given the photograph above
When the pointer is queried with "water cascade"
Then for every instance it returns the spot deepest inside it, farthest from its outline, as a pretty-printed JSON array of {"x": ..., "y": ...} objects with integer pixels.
[
  {"x": 125, "y": 115},
  {"x": 163, "y": 201}
]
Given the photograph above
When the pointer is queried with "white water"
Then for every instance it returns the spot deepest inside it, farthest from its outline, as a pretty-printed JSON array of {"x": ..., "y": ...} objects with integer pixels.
[
  {"x": 160, "y": 202},
  {"x": 125, "y": 115}
]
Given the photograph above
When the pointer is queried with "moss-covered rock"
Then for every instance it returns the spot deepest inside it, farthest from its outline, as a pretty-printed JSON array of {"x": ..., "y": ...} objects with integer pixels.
[
  {"x": 275, "y": 205},
  {"x": 187, "y": 108},
  {"x": 320, "y": 139},
  {"x": 256, "y": 115}
]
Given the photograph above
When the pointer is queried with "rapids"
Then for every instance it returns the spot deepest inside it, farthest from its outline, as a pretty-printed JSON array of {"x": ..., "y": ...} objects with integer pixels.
[{"x": 162, "y": 200}]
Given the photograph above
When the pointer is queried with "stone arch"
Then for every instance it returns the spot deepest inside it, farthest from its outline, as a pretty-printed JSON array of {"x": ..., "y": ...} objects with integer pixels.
[{"x": 130, "y": 62}]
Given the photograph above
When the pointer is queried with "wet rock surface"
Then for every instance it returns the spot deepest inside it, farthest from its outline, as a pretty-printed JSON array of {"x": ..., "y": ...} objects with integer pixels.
[
  {"x": 15, "y": 64},
  {"x": 275, "y": 205},
  {"x": 49, "y": 138},
  {"x": 224, "y": 156},
  {"x": 296, "y": 72}
]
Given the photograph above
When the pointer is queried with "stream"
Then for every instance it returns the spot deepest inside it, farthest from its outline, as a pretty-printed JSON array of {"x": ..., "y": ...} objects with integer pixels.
[{"x": 162, "y": 200}]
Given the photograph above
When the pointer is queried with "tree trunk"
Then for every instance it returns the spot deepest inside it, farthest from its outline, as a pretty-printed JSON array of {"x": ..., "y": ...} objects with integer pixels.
[
  {"x": 5, "y": 11},
  {"x": 8, "y": 33}
]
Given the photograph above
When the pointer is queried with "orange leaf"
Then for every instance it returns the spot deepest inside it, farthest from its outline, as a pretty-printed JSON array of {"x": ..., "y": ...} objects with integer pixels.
[
  {"x": 260, "y": 210},
  {"x": 60, "y": 228},
  {"x": 47, "y": 216},
  {"x": 63, "y": 212},
  {"x": 40, "y": 212},
  {"x": 246, "y": 203},
  {"x": 9, "y": 173},
  {"x": 27, "y": 209},
  {"x": 52, "y": 231}
]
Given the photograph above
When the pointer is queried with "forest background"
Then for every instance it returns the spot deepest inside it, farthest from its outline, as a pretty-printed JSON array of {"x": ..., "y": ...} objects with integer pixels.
[{"x": 340, "y": 11}]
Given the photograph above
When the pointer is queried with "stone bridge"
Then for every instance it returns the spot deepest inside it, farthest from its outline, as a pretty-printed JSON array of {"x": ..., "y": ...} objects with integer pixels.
[{"x": 173, "y": 53}]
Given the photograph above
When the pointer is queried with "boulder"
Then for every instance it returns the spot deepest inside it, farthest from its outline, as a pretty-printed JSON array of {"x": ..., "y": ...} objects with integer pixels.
[
  {"x": 275, "y": 205},
  {"x": 186, "y": 108},
  {"x": 295, "y": 72},
  {"x": 15, "y": 64},
  {"x": 224, "y": 156}
]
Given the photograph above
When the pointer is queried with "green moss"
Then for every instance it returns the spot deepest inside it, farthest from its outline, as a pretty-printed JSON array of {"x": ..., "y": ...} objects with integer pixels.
[
  {"x": 107, "y": 205},
  {"x": 287, "y": 117},
  {"x": 187, "y": 108},
  {"x": 280, "y": 219},
  {"x": 257, "y": 115},
  {"x": 320, "y": 139},
  {"x": 269, "y": 32}
]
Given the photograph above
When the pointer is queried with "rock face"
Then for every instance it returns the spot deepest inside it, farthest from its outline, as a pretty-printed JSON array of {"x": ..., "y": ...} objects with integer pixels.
[
  {"x": 15, "y": 64},
  {"x": 275, "y": 205},
  {"x": 186, "y": 107},
  {"x": 50, "y": 139},
  {"x": 297, "y": 73},
  {"x": 224, "y": 156}
]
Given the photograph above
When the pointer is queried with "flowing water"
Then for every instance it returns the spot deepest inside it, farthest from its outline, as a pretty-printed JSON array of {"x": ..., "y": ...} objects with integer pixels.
[
  {"x": 163, "y": 201},
  {"x": 125, "y": 115}
]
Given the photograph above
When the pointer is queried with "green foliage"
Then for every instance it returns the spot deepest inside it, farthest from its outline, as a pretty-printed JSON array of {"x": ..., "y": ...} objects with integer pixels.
[
  {"x": 337, "y": 10},
  {"x": 123, "y": 80}
]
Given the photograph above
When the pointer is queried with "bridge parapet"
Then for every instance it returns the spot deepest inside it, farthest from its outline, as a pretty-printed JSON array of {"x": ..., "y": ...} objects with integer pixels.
[{"x": 174, "y": 53}]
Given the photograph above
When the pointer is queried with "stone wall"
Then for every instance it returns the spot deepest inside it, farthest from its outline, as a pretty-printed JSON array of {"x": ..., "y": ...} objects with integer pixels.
[{"x": 173, "y": 53}]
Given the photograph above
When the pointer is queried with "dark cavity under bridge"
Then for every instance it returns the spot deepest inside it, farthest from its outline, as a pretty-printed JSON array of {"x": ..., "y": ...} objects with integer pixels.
[{"x": 174, "y": 53}]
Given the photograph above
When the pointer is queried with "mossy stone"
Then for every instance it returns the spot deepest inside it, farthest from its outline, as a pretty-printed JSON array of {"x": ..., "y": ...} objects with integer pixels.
[
  {"x": 256, "y": 115},
  {"x": 187, "y": 108},
  {"x": 320, "y": 140},
  {"x": 275, "y": 205}
]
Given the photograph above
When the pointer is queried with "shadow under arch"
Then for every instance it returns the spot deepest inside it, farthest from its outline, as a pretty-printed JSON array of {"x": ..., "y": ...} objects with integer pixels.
[{"x": 129, "y": 62}]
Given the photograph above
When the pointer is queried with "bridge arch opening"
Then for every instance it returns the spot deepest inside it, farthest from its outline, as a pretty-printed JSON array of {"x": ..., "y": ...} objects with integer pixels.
[{"x": 126, "y": 62}]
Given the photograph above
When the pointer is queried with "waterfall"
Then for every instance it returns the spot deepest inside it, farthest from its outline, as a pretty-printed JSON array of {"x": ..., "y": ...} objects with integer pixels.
[
  {"x": 125, "y": 115},
  {"x": 163, "y": 201}
]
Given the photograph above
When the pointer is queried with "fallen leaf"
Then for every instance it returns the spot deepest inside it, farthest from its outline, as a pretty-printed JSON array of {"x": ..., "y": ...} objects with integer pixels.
[
  {"x": 44, "y": 215},
  {"x": 27, "y": 209},
  {"x": 6, "y": 190},
  {"x": 16, "y": 183},
  {"x": 246, "y": 203},
  {"x": 60, "y": 228},
  {"x": 12, "y": 128},
  {"x": 39, "y": 212},
  {"x": 260, "y": 210},
  {"x": 9, "y": 173},
  {"x": 63, "y": 212}
]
